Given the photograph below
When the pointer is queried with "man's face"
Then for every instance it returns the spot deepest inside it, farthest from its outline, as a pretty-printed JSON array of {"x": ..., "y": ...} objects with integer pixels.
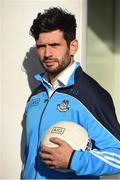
[{"x": 53, "y": 51}]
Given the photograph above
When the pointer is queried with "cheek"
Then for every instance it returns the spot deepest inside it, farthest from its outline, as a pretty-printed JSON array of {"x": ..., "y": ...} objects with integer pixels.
[
  {"x": 66, "y": 55},
  {"x": 63, "y": 53},
  {"x": 40, "y": 53}
]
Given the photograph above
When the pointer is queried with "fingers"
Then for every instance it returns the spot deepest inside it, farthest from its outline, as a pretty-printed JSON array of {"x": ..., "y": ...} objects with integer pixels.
[
  {"x": 48, "y": 162},
  {"x": 56, "y": 157},
  {"x": 54, "y": 140},
  {"x": 45, "y": 149},
  {"x": 57, "y": 141},
  {"x": 46, "y": 153},
  {"x": 47, "y": 157}
]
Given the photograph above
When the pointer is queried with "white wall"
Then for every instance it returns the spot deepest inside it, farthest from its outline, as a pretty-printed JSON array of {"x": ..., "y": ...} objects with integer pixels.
[
  {"x": 0, "y": 96},
  {"x": 16, "y": 17}
]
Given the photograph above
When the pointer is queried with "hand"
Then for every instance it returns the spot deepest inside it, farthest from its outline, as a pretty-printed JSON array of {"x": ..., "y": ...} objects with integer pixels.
[{"x": 57, "y": 157}]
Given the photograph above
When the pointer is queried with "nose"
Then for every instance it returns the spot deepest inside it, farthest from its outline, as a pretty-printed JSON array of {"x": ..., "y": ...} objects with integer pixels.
[{"x": 48, "y": 51}]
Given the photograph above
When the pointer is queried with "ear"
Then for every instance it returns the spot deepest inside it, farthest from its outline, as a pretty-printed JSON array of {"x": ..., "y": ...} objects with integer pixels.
[{"x": 73, "y": 47}]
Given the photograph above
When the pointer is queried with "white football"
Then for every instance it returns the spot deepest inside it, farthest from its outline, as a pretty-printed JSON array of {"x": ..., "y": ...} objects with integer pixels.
[{"x": 71, "y": 132}]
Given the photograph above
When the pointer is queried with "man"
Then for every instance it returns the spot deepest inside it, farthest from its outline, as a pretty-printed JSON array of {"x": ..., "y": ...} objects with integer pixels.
[{"x": 86, "y": 102}]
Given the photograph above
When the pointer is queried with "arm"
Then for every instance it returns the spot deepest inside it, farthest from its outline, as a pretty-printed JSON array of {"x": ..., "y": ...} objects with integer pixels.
[
  {"x": 104, "y": 130},
  {"x": 96, "y": 162}
]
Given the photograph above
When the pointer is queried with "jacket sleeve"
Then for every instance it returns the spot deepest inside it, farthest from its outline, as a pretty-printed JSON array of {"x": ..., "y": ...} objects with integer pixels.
[
  {"x": 24, "y": 137},
  {"x": 96, "y": 162},
  {"x": 104, "y": 130}
]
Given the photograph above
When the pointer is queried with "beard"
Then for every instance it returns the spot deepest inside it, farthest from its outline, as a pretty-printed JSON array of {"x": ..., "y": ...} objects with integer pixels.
[{"x": 62, "y": 64}]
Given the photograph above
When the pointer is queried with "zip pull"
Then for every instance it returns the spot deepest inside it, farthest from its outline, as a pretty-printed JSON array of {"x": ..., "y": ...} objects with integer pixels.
[{"x": 46, "y": 100}]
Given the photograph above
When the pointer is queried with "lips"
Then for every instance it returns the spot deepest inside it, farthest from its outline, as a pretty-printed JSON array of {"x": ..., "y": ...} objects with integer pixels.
[{"x": 49, "y": 62}]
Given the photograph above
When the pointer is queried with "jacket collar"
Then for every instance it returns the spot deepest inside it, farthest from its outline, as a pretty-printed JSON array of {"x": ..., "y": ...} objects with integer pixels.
[{"x": 67, "y": 78}]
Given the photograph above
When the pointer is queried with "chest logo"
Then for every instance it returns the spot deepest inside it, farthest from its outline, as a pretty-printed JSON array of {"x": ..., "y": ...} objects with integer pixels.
[
  {"x": 35, "y": 102},
  {"x": 63, "y": 107}
]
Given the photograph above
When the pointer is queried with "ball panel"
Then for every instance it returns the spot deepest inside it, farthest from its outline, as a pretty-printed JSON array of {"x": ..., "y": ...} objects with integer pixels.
[{"x": 74, "y": 134}]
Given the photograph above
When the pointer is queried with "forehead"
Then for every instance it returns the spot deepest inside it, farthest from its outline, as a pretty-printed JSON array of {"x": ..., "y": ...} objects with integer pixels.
[{"x": 51, "y": 37}]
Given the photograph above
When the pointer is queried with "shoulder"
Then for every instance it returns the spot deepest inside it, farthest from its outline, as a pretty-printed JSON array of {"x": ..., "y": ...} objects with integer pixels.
[
  {"x": 37, "y": 90},
  {"x": 90, "y": 88}
]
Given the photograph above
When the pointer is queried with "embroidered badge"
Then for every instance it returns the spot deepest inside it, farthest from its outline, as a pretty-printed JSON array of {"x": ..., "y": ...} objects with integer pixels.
[
  {"x": 63, "y": 107},
  {"x": 35, "y": 102}
]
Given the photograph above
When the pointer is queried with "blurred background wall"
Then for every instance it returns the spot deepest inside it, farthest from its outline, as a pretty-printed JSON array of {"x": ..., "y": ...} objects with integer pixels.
[
  {"x": 103, "y": 48},
  {"x": 103, "y": 45}
]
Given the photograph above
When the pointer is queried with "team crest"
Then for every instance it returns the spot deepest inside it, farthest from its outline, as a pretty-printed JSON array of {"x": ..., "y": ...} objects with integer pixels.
[{"x": 63, "y": 107}]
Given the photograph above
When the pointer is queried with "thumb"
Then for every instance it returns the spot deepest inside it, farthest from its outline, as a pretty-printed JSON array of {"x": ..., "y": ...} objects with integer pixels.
[{"x": 56, "y": 140}]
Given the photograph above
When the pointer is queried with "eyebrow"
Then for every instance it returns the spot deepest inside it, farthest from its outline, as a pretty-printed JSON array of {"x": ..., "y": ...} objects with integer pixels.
[
  {"x": 40, "y": 45},
  {"x": 44, "y": 45}
]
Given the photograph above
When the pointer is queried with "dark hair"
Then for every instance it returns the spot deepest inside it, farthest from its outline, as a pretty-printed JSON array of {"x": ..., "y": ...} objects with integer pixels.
[{"x": 53, "y": 19}]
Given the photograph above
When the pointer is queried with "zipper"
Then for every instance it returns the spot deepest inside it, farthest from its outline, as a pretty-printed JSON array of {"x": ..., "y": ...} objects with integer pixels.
[
  {"x": 56, "y": 90},
  {"x": 38, "y": 137},
  {"x": 37, "y": 158}
]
